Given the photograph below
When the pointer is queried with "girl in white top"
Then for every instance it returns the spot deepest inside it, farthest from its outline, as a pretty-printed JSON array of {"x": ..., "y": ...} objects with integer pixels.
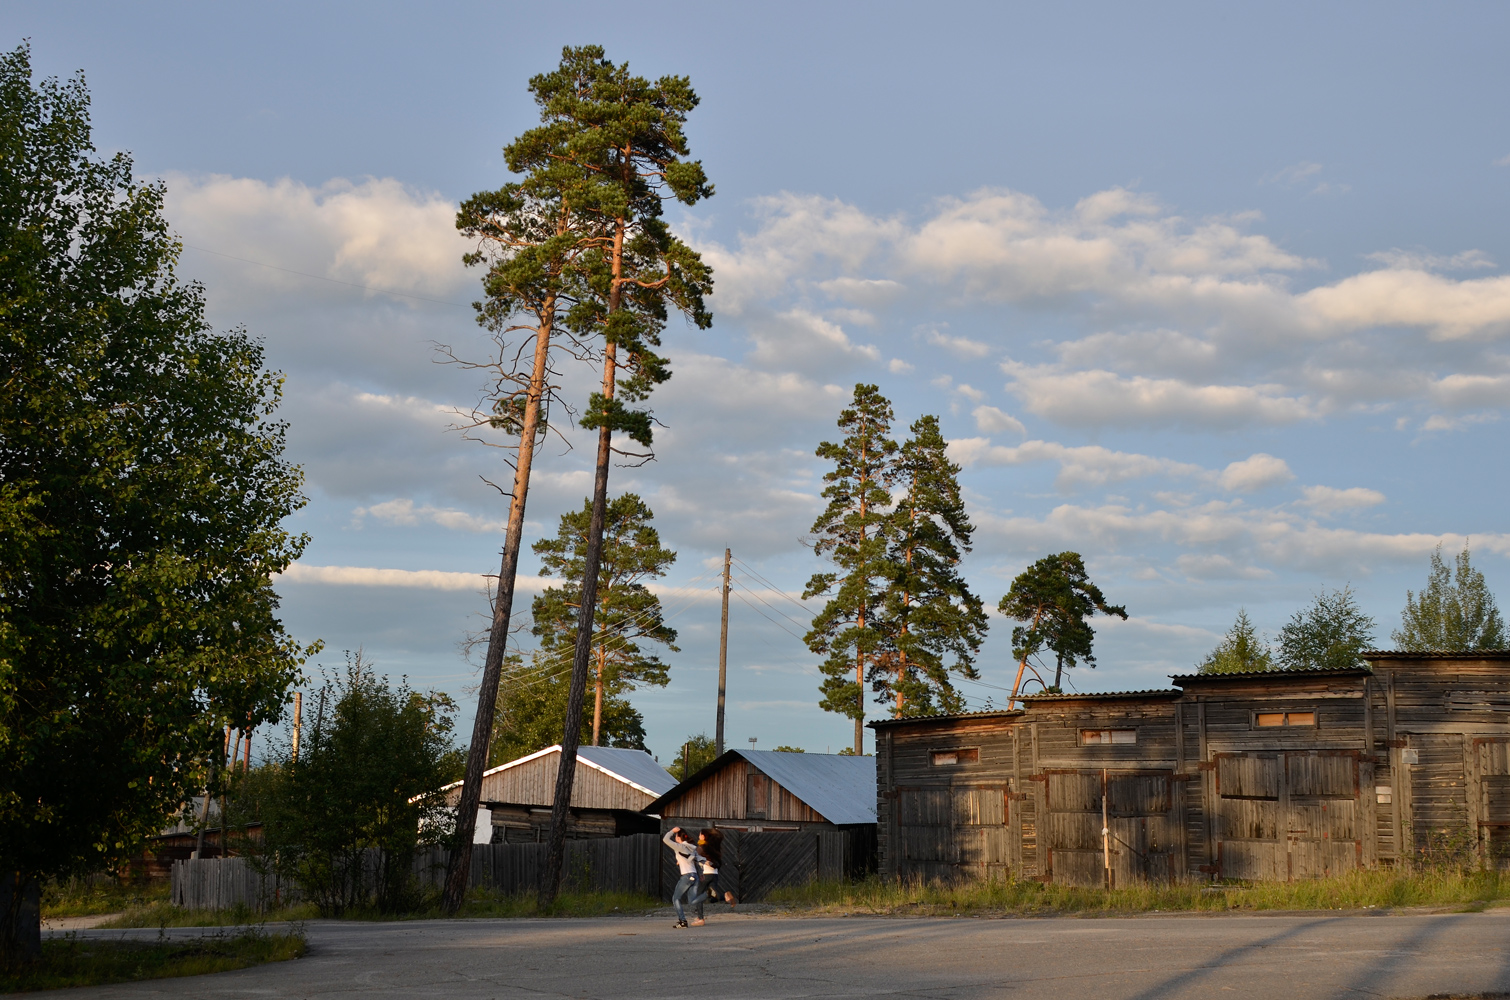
[{"x": 686, "y": 864}]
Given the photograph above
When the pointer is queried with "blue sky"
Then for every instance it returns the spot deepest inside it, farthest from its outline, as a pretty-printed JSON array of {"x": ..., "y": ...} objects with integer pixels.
[{"x": 1216, "y": 296}]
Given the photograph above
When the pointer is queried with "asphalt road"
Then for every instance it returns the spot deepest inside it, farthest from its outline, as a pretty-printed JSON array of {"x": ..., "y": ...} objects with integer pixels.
[{"x": 1287, "y": 957}]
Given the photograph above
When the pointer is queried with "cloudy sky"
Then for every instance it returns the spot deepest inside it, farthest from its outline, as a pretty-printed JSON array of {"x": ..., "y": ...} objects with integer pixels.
[{"x": 1217, "y": 297}]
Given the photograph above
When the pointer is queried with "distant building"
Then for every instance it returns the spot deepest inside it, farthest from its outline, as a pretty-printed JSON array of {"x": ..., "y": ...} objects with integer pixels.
[{"x": 610, "y": 792}]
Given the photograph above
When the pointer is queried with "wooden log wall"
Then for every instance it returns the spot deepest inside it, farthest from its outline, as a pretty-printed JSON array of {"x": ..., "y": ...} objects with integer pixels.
[{"x": 738, "y": 792}]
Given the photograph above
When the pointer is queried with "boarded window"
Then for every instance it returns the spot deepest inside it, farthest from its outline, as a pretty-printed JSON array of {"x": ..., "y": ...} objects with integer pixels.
[
  {"x": 1106, "y": 737},
  {"x": 1267, "y": 719},
  {"x": 962, "y": 755}
]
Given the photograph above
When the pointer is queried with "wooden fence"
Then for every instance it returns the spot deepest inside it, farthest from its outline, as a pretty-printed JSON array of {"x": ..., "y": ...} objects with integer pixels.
[
  {"x": 608, "y": 864},
  {"x": 756, "y": 863},
  {"x": 225, "y": 883}
]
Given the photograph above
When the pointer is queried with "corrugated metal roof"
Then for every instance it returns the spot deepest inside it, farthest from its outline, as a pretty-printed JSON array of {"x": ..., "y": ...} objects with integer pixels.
[
  {"x": 990, "y": 713},
  {"x": 1467, "y": 654},
  {"x": 1092, "y": 695},
  {"x": 1271, "y": 675},
  {"x": 634, "y": 767},
  {"x": 840, "y": 788}
]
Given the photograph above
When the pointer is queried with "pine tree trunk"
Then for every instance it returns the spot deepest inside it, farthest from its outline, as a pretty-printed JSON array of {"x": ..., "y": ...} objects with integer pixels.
[
  {"x": 597, "y": 705},
  {"x": 458, "y": 868},
  {"x": 572, "y": 730}
]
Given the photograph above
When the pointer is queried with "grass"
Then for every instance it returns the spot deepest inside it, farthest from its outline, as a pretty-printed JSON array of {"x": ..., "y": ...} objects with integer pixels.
[
  {"x": 73, "y": 961},
  {"x": 483, "y": 903},
  {"x": 1007, "y": 897},
  {"x": 96, "y": 894},
  {"x": 165, "y": 914}
]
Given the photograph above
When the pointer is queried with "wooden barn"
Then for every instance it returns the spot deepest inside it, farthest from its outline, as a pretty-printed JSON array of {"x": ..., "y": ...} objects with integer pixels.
[
  {"x": 788, "y": 818},
  {"x": 610, "y": 792},
  {"x": 1275, "y": 775}
]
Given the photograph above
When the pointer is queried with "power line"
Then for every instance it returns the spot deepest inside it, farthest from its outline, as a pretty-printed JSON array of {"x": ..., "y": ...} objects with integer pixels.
[
  {"x": 777, "y": 610},
  {"x": 767, "y": 617},
  {"x": 748, "y": 569},
  {"x": 321, "y": 277}
]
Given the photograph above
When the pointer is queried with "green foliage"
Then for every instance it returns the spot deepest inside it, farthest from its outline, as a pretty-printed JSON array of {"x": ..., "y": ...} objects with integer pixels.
[
  {"x": 1240, "y": 651},
  {"x": 1455, "y": 612},
  {"x": 73, "y": 961},
  {"x": 370, "y": 762},
  {"x": 1330, "y": 634},
  {"x": 142, "y": 497},
  {"x": 626, "y": 613},
  {"x": 695, "y": 753},
  {"x": 532, "y": 713},
  {"x": 935, "y": 622},
  {"x": 1054, "y": 597},
  {"x": 854, "y": 532},
  {"x": 613, "y": 144},
  {"x": 786, "y": 749}
]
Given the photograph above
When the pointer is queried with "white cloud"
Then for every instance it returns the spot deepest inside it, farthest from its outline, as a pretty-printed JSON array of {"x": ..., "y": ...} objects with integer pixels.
[
  {"x": 1255, "y": 472},
  {"x": 1213, "y": 566},
  {"x": 1440, "y": 422},
  {"x": 1296, "y": 173},
  {"x": 1096, "y": 397},
  {"x": 899, "y": 367},
  {"x": 1450, "y": 310},
  {"x": 990, "y": 420},
  {"x": 970, "y": 392},
  {"x": 377, "y": 232},
  {"x": 1415, "y": 260},
  {"x": 367, "y": 576},
  {"x": 1086, "y": 465},
  {"x": 1326, "y": 500},
  {"x": 962, "y": 347},
  {"x": 1471, "y": 390},
  {"x": 404, "y": 512},
  {"x": 802, "y": 340}
]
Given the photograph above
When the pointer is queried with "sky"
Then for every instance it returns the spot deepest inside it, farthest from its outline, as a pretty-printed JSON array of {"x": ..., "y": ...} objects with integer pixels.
[{"x": 1216, "y": 296}]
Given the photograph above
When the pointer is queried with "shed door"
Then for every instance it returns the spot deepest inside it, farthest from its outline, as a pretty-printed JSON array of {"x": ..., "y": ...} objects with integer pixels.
[
  {"x": 1493, "y": 771},
  {"x": 1144, "y": 832},
  {"x": 946, "y": 833},
  {"x": 1289, "y": 815},
  {"x": 758, "y": 795}
]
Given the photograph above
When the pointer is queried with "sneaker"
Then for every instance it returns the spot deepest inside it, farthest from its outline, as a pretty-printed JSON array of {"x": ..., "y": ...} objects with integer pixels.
[
  {"x": 680, "y": 923},
  {"x": 698, "y": 922}
]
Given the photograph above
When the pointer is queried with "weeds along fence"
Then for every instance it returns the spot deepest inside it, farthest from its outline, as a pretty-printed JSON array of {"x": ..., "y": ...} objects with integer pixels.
[{"x": 610, "y": 864}]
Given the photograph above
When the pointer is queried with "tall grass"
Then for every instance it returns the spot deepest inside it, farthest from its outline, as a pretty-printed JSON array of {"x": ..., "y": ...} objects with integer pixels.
[
  {"x": 1354, "y": 891},
  {"x": 88, "y": 895},
  {"x": 486, "y": 903}
]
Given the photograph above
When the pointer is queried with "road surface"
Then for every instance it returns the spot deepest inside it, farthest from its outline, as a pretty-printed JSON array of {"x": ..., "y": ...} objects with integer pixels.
[{"x": 1282, "y": 957}]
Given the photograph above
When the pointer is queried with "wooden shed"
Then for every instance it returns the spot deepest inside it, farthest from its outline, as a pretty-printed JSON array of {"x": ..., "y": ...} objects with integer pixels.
[
  {"x": 1274, "y": 775},
  {"x": 610, "y": 792}
]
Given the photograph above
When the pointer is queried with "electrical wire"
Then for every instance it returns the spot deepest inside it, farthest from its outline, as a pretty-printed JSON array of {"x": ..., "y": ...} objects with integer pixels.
[
  {"x": 767, "y": 617},
  {"x": 751, "y": 571},
  {"x": 776, "y": 609}
]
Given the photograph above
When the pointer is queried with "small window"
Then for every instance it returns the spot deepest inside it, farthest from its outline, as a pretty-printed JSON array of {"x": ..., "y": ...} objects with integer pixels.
[
  {"x": 1264, "y": 720},
  {"x": 1106, "y": 737},
  {"x": 944, "y": 758}
]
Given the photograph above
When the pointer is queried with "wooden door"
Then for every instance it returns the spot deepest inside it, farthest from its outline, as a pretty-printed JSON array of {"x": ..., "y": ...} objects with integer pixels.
[
  {"x": 1490, "y": 800},
  {"x": 1145, "y": 838},
  {"x": 1281, "y": 816},
  {"x": 950, "y": 832},
  {"x": 758, "y": 795}
]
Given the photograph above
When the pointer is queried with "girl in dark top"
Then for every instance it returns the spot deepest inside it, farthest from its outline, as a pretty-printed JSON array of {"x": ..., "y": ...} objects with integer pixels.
[{"x": 710, "y": 851}]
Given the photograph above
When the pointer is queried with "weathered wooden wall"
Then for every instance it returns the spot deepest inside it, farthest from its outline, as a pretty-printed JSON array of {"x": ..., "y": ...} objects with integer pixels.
[
  {"x": 737, "y": 793},
  {"x": 1404, "y": 765},
  {"x": 533, "y": 783}
]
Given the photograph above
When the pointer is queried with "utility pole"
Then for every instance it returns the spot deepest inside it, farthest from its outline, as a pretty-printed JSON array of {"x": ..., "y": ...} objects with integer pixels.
[{"x": 723, "y": 662}]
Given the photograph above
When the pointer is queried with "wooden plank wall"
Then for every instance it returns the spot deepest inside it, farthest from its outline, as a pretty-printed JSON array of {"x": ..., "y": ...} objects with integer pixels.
[
  {"x": 534, "y": 784},
  {"x": 724, "y": 795}
]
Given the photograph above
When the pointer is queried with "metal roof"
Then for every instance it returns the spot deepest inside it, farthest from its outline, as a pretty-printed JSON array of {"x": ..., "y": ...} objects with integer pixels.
[
  {"x": 1467, "y": 654},
  {"x": 1271, "y": 675},
  {"x": 989, "y": 713},
  {"x": 838, "y": 787},
  {"x": 1084, "y": 695},
  {"x": 633, "y": 767}
]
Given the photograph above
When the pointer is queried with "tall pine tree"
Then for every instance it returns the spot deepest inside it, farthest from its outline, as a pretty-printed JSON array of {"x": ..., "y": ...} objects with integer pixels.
[
  {"x": 854, "y": 533},
  {"x": 1055, "y": 598},
  {"x": 1454, "y": 612},
  {"x": 625, "y": 137},
  {"x": 936, "y": 624},
  {"x": 1240, "y": 651},
  {"x": 627, "y": 613}
]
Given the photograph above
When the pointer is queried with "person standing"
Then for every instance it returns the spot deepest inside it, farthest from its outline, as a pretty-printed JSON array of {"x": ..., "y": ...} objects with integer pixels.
[
  {"x": 686, "y": 865},
  {"x": 710, "y": 844}
]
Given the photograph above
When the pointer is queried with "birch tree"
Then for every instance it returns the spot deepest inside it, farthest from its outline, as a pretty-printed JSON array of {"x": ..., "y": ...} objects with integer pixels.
[
  {"x": 854, "y": 532},
  {"x": 1454, "y": 612}
]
